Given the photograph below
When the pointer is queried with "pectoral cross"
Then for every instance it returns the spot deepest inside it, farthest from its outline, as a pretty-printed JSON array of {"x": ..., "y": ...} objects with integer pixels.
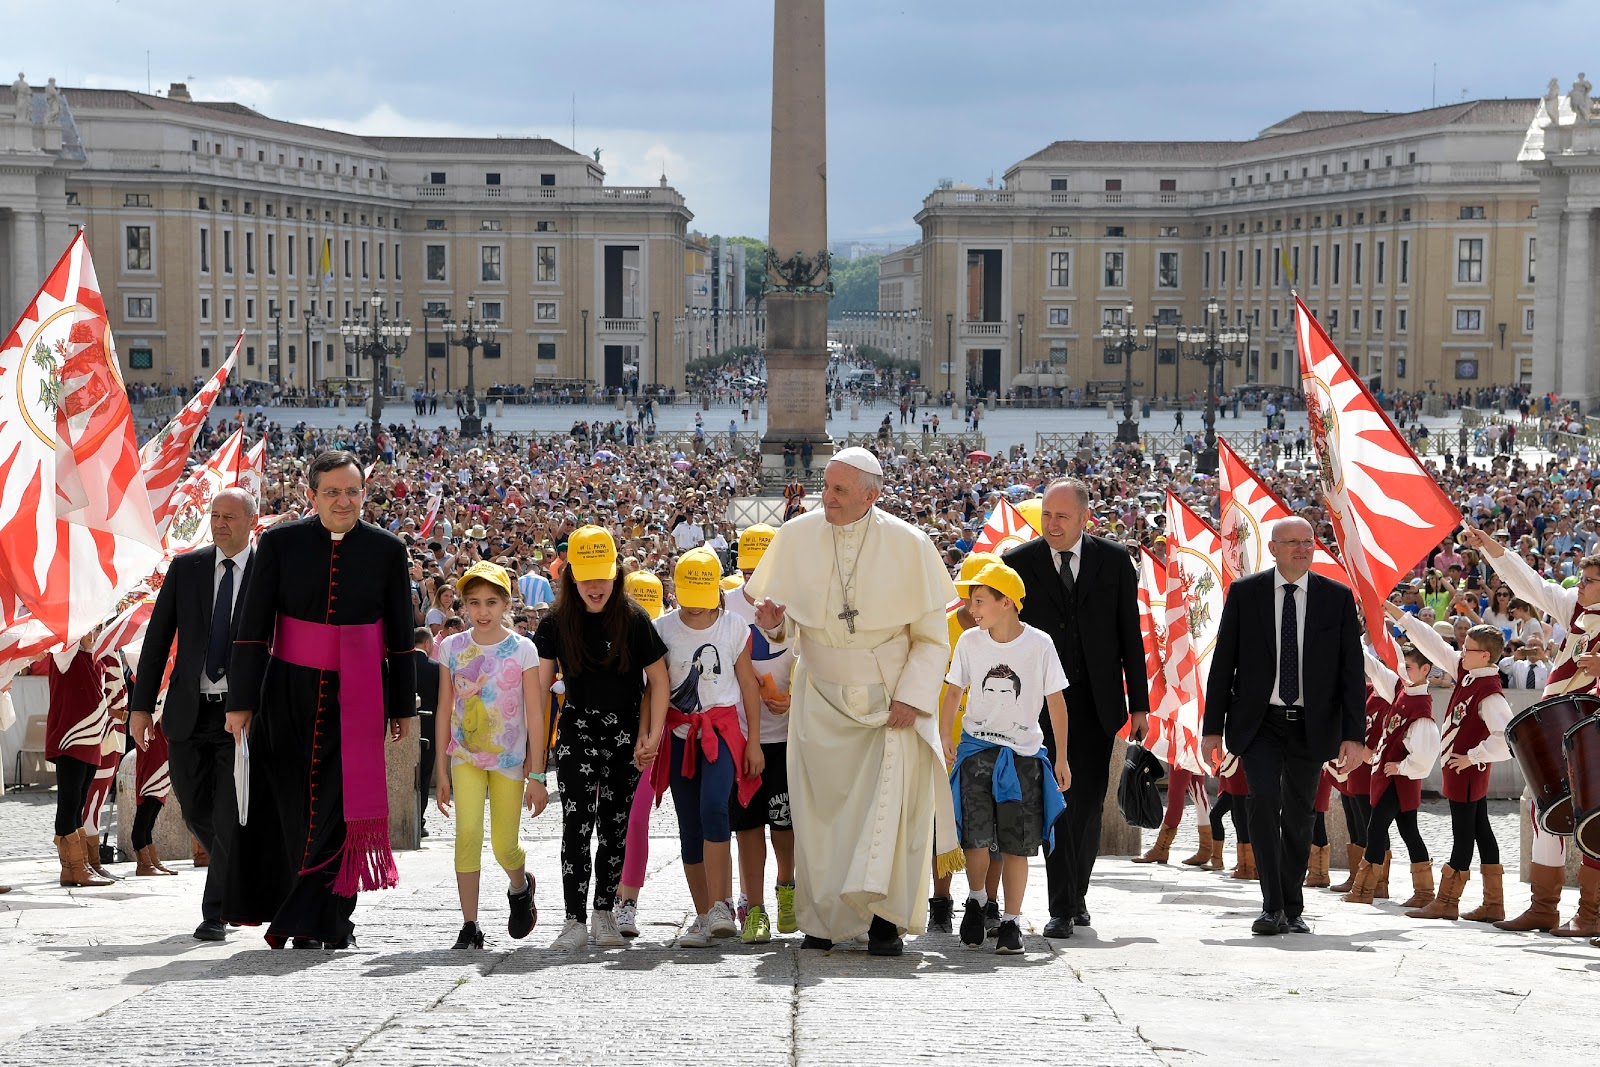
[{"x": 849, "y": 616}]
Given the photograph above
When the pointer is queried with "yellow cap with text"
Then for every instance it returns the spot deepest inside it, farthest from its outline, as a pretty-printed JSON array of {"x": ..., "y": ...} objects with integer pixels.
[
  {"x": 645, "y": 589},
  {"x": 592, "y": 554},
  {"x": 697, "y": 579}
]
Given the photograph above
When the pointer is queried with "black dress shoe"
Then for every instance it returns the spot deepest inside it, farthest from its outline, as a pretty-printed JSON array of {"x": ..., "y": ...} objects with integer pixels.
[
  {"x": 1082, "y": 917},
  {"x": 821, "y": 944},
  {"x": 1058, "y": 927},
  {"x": 305, "y": 942},
  {"x": 1269, "y": 923},
  {"x": 211, "y": 930},
  {"x": 1294, "y": 925},
  {"x": 883, "y": 938}
]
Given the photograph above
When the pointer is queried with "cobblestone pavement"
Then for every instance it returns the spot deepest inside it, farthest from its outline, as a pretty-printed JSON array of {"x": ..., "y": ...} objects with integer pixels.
[{"x": 1168, "y": 974}]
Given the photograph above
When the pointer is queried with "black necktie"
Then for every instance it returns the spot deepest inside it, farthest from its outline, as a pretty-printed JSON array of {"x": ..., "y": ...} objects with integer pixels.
[
  {"x": 1289, "y": 649},
  {"x": 1530, "y": 676},
  {"x": 221, "y": 626},
  {"x": 1066, "y": 573}
]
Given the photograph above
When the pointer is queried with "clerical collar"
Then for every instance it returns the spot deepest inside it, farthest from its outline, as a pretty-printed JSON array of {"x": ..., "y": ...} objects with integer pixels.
[
  {"x": 854, "y": 527},
  {"x": 335, "y": 536}
]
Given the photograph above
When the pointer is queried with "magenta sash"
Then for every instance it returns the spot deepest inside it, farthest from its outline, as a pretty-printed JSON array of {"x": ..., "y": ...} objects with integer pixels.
[{"x": 355, "y": 654}]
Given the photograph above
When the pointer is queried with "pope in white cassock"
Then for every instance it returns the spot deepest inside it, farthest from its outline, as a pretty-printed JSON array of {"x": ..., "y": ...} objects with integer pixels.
[{"x": 861, "y": 597}]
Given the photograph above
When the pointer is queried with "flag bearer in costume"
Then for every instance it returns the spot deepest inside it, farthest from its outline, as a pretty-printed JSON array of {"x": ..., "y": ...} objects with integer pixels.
[
  {"x": 861, "y": 595},
  {"x": 83, "y": 691},
  {"x": 1574, "y": 671},
  {"x": 321, "y": 675}
]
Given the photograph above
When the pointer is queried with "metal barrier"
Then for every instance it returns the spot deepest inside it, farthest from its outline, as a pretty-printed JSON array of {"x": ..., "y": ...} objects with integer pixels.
[
  {"x": 1153, "y": 443},
  {"x": 925, "y": 443}
]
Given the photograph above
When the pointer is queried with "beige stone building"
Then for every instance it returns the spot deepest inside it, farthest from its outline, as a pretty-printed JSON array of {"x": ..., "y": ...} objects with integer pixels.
[
  {"x": 1411, "y": 236},
  {"x": 207, "y": 219}
]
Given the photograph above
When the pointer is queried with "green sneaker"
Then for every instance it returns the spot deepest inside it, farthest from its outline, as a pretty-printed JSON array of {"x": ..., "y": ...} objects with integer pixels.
[
  {"x": 786, "y": 923},
  {"x": 757, "y": 929}
]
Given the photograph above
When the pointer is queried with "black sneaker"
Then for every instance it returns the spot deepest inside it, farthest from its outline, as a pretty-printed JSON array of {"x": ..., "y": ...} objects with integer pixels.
[
  {"x": 524, "y": 915},
  {"x": 991, "y": 917},
  {"x": 941, "y": 910},
  {"x": 469, "y": 937},
  {"x": 1008, "y": 939},
  {"x": 972, "y": 931}
]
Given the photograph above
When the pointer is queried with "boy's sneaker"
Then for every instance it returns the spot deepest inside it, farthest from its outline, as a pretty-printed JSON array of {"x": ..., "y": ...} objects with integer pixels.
[
  {"x": 627, "y": 915},
  {"x": 991, "y": 917},
  {"x": 524, "y": 915},
  {"x": 573, "y": 936},
  {"x": 742, "y": 911},
  {"x": 720, "y": 920},
  {"x": 786, "y": 920},
  {"x": 603, "y": 930},
  {"x": 1008, "y": 939},
  {"x": 757, "y": 927},
  {"x": 469, "y": 937},
  {"x": 941, "y": 910},
  {"x": 972, "y": 931},
  {"x": 698, "y": 935}
]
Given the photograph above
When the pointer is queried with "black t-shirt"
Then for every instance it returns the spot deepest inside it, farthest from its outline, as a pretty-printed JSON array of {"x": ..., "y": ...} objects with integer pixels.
[{"x": 602, "y": 689}]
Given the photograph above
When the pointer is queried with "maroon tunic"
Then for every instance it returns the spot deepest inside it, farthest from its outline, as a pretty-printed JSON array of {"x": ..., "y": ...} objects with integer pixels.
[
  {"x": 1230, "y": 777},
  {"x": 1391, "y": 748},
  {"x": 79, "y": 715},
  {"x": 1463, "y": 730}
]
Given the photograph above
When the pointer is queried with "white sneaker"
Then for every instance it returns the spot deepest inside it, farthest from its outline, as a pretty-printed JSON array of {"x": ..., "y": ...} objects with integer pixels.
[
  {"x": 573, "y": 936},
  {"x": 721, "y": 921},
  {"x": 698, "y": 935},
  {"x": 603, "y": 930},
  {"x": 628, "y": 920}
]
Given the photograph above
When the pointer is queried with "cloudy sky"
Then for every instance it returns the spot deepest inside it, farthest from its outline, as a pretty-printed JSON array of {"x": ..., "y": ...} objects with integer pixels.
[{"x": 918, "y": 90}]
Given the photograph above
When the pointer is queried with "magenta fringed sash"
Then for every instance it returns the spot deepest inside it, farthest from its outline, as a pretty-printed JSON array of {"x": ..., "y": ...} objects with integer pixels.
[{"x": 355, "y": 653}]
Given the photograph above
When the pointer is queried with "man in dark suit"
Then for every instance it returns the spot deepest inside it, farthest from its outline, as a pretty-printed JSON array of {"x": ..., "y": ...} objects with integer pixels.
[
  {"x": 1283, "y": 712},
  {"x": 1083, "y": 592},
  {"x": 198, "y": 604}
]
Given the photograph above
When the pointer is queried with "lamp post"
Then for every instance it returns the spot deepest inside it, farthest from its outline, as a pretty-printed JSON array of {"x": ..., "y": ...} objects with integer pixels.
[
  {"x": 949, "y": 352},
  {"x": 1121, "y": 337},
  {"x": 380, "y": 339},
  {"x": 655, "y": 351},
  {"x": 585, "y": 314},
  {"x": 1212, "y": 346},
  {"x": 470, "y": 333}
]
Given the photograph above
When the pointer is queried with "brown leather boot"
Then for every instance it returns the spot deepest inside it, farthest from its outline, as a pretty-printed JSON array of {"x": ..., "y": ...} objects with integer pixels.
[
  {"x": 1161, "y": 850},
  {"x": 1445, "y": 905},
  {"x": 91, "y": 854},
  {"x": 1381, "y": 892},
  {"x": 1352, "y": 862},
  {"x": 75, "y": 872},
  {"x": 1421, "y": 885},
  {"x": 1493, "y": 908},
  {"x": 1215, "y": 863},
  {"x": 149, "y": 864},
  {"x": 1585, "y": 922},
  {"x": 1317, "y": 869},
  {"x": 198, "y": 851},
  {"x": 1202, "y": 855},
  {"x": 1245, "y": 869},
  {"x": 1544, "y": 891},
  {"x": 1366, "y": 881}
]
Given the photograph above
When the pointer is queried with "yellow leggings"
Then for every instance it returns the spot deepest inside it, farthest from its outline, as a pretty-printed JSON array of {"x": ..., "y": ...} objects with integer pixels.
[{"x": 470, "y": 785}]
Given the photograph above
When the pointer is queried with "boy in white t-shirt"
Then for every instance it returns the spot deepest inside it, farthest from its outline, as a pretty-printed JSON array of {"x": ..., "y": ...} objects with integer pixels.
[{"x": 1007, "y": 795}]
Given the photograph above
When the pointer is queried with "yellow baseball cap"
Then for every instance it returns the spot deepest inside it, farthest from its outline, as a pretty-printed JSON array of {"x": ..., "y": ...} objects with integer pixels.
[
  {"x": 592, "y": 554},
  {"x": 732, "y": 582},
  {"x": 697, "y": 579},
  {"x": 645, "y": 589},
  {"x": 492, "y": 573},
  {"x": 974, "y": 562},
  {"x": 1000, "y": 578},
  {"x": 753, "y": 545}
]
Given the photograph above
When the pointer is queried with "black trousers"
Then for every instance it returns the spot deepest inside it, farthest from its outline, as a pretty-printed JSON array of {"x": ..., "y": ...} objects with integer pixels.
[
  {"x": 73, "y": 779},
  {"x": 1469, "y": 825},
  {"x": 597, "y": 778},
  {"x": 1224, "y": 804},
  {"x": 1386, "y": 813},
  {"x": 201, "y": 766},
  {"x": 1357, "y": 817},
  {"x": 1282, "y": 774},
  {"x": 1069, "y": 865}
]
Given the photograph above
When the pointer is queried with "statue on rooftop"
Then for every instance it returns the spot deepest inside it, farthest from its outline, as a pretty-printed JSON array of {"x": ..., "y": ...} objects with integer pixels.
[
  {"x": 24, "y": 98},
  {"x": 1582, "y": 106}
]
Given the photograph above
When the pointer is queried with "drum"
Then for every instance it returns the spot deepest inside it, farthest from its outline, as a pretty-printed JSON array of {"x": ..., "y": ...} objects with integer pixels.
[
  {"x": 1535, "y": 735},
  {"x": 1582, "y": 745}
]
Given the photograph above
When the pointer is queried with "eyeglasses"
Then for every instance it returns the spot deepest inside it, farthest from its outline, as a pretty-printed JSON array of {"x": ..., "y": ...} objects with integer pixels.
[
  {"x": 1586, "y": 579},
  {"x": 335, "y": 494}
]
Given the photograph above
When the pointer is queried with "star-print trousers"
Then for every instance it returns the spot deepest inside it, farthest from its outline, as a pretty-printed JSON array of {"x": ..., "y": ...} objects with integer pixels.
[{"x": 595, "y": 771}]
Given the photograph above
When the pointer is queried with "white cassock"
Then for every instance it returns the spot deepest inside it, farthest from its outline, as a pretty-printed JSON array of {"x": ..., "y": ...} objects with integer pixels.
[{"x": 865, "y": 798}]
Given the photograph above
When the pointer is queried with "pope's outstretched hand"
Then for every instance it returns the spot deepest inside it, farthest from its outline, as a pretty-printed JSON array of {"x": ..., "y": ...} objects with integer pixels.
[{"x": 769, "y": 616}]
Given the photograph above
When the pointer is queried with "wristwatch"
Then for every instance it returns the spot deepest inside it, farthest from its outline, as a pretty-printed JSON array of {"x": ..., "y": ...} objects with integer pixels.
[{"x": 537, "y": 776}]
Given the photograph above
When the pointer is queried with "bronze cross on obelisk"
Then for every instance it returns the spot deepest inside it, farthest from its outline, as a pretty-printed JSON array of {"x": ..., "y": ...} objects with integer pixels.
[{"x": 849, "y": 616}]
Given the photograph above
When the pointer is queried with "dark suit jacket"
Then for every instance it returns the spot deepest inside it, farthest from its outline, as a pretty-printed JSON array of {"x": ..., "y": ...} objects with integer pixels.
[
  {"x": 183, "y": 607},
  {"x": 1244, "y": 665},
  {"x": 1107, "y": 602}
]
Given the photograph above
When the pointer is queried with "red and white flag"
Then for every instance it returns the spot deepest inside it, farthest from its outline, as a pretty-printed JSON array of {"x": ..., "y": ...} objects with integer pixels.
[
  {"x": 1387, "y": 510},
  {"x": 1153, "y": 629},
  {"x": 253, "y": 475},
  {"x": 76, "y": 530},
  {"x": 1194, "y": 610},
  {"x": 1249, "y": 507},
  {"x": 435, "y": 498},
  {"x": 1005, "y": 530},
  {"x": 164, "y": 456}
]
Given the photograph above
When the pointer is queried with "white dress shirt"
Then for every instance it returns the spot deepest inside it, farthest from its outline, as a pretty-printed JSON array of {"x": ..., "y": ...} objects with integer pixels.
[
  {"x": 1076, "y": 565},
  {"x": 1302, "y": 584},
  {"x": 207, "y": 686}
]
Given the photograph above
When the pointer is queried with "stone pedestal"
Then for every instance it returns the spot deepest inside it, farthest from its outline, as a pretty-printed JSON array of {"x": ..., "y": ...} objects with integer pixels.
[
  {"x": 1525, "y": 857},
  {"x": 400, "y": 760},
  {"x": 1339, "y": 836},
  {"x": 171, "y": 836},
  {"x": 1118, "y": 837}
]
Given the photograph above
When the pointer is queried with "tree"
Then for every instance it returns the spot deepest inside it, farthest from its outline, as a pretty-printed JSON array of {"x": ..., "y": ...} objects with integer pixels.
[{"x": 855, "y": 286}]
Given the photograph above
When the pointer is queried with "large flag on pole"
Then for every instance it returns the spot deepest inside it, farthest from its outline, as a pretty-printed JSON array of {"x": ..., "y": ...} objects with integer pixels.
[
  {"x": 1005, "y": 530},
  {"x": 1248, "y": 508},
  {"x": 1164, "y": 700},
  {"x": 1194, "y": 609},
  {"x": 164, "y": 456},
  {"x": 326, "y": 274},
  {"x": 1387, "y": 510},
  {"x": 76, "y": 530}
]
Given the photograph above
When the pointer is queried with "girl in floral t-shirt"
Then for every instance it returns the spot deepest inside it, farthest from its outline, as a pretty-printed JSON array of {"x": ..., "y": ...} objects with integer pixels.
[{"x": 490, "y": 737}]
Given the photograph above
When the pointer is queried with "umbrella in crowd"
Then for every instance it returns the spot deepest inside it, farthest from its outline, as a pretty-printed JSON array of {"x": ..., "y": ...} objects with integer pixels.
[{"x": 978, "y": 456}]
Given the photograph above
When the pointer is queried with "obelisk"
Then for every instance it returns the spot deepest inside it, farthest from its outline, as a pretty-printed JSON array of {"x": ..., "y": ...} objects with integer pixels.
[{"x": 797, "y": 262}]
